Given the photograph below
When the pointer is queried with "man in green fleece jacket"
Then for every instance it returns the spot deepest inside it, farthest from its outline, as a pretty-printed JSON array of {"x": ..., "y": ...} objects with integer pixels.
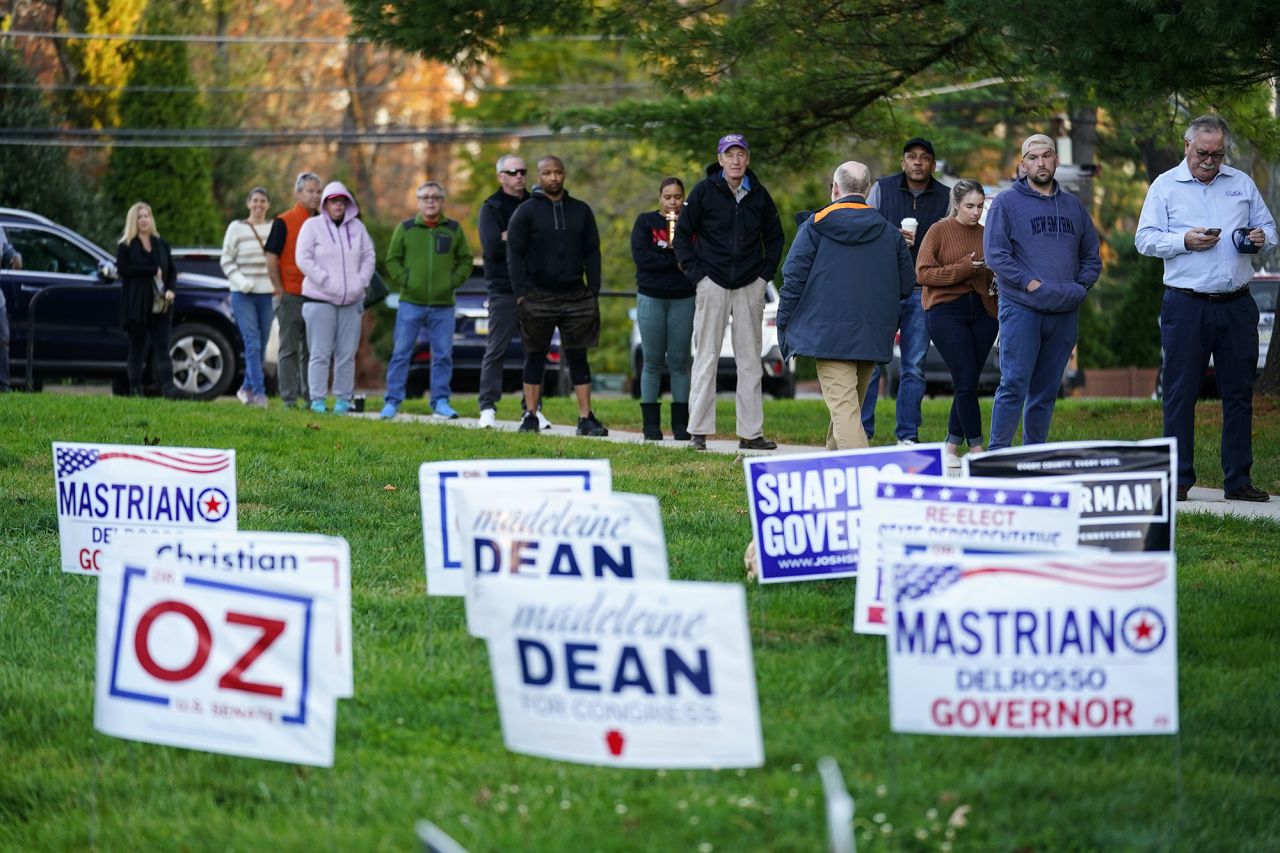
[{"x": 429, "y": 259}]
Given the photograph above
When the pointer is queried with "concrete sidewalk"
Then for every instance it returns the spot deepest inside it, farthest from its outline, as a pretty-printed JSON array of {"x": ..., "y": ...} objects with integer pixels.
[{"x": 1201, "y": 499}]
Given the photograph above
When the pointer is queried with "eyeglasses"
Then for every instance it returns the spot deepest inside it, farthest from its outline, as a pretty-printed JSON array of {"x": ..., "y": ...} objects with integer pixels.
[
  {"x": 430, "y": 198},
  {"x": 1211, "y": 155},
  {"x": 514, "y": 172}
]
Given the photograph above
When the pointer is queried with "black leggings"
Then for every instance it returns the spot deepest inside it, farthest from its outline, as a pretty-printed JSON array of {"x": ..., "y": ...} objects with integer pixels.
[
  {"x": 535, "y": 366},
  {"x": 155, "y": 332}
]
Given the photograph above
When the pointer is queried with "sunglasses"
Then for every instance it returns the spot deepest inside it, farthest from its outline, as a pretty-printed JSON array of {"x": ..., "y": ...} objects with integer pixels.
[
  {"x": 514, "y": 172},
  {"x": 430, "y": 198}
]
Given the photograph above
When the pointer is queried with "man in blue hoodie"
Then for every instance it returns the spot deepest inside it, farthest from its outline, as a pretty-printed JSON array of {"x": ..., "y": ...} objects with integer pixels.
[
  {"x": 842, "y": 283},
  {"x": 1043, "y": 249}
]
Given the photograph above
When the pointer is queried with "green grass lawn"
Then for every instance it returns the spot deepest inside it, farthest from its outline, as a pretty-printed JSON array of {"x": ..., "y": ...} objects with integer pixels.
[{"x": 421, "y": 738}]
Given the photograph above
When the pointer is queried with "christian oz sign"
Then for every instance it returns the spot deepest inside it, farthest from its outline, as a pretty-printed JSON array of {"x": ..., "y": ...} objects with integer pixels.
[
  {"x": 320, "y": 563},
  {"x": 806, "y": 509},
  {"x": 441, "y": 542},
  {"x": 197, "y": 659},
  {"x": 105, "y": 490},
  {"x": 625, "y": 675},
  {"x": 1077, "y": 643},
  {"x": 557, "y": 537},
  {"x": 1125, "y": 486},
  {"x": 997, "y": 516}
]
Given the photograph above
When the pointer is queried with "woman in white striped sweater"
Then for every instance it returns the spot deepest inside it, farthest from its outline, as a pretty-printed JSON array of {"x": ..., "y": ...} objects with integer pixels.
[{"x": 244, "y": 262}]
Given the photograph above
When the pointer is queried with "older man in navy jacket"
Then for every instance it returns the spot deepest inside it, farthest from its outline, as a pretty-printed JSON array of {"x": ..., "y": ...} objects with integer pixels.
[{"x": 843, "y": 279}]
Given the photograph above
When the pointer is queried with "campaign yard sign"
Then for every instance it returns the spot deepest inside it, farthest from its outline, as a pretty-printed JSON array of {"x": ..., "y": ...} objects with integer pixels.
[
  {"x": 806, "y": 508},
  {"x": 202, "y": 660},
  {"x": 441, "y": 544},
  {"x": 558, "y": 537},
  {"x": 105, "y": 490},
  {"x": 972, "y": 513},
  {"x": 1126, "y": 487},
  {"x": 625, "y": 675},
  {"x": 1080, "y": 643},
  {"x": 312, "y": 560}
]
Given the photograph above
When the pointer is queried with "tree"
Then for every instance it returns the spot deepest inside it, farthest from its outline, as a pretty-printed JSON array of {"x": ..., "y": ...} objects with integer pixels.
[{"x": 176, "y": 182}]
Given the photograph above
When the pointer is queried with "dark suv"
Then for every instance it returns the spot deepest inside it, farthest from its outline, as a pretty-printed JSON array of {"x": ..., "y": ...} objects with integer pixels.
[{"x": 76, "y": 295}]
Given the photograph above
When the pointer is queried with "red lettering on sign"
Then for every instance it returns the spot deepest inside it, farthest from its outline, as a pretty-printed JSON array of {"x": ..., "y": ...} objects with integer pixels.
[
  {"x": 233, "y": 678},
  {"x": 204, "y": 641}
]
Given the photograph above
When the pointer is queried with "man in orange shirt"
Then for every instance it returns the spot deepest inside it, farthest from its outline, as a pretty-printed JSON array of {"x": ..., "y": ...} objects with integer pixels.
[{"x": 283, "y": 271}]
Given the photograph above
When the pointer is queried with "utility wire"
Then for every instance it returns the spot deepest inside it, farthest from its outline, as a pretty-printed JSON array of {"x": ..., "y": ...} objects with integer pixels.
[
  {"x": 283, "y": 90},
  {"x": 251, "y": 138},
  {"x": 201, "y": 38}
]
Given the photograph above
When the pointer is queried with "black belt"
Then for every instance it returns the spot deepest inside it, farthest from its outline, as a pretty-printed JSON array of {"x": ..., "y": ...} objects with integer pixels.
[{"x": 1211, "y": 297}]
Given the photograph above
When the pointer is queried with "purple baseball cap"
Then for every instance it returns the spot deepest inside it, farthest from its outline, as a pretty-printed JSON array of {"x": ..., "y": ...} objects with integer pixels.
[{"x": 729, "y": 140}]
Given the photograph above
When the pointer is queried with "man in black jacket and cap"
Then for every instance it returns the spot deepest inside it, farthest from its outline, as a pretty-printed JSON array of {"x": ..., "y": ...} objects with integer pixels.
[
  {"x": 553, "y": 256},
  {"x": 729, "y": 243}
]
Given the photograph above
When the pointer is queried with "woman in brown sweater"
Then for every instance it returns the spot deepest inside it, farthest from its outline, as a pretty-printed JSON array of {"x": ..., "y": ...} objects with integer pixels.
[{"x": 960, "y": 308}]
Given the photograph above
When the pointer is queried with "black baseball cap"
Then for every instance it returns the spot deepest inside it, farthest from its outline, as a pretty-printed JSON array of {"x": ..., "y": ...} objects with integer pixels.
[{"x": 920, "y": 141}]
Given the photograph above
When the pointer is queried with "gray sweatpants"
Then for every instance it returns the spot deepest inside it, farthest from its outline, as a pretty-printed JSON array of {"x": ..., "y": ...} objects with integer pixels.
[
  {"x": 333, "y": 333},
  {"x": 292, "y": 359}
]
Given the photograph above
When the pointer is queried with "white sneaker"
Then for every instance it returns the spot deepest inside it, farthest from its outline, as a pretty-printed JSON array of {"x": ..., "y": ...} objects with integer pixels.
[
  {"x": 906, "y": 442},
  {"x": 244, "y": 396},
  {"x": 543, "y": 423},
  {"x": 488, "y": 418}
]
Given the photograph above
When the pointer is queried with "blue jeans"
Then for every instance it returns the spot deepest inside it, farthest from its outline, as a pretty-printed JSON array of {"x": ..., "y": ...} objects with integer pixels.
[
  {"x": 963, "y": 332},
  {"x": 410, "y": 319},
  {"x": 1190, "y": 331},
  {"x": 666, "y": 339},
  {"x": 1034, "y": 350},
  {"x": 913, "y": 343},
  {"x": 254, "y": 313}
]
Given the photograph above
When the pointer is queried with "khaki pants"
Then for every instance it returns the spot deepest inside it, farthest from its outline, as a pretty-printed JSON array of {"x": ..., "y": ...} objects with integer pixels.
[
  {"x": 714, "y": 306},
  {"x": 844, "y": 387}
]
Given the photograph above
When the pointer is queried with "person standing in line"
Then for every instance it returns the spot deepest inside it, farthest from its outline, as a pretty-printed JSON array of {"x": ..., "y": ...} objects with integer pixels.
[
  {"x": 1206, "y": 220},
  {"x": 910, "y": 195},
  {"x": 1043, "y": 248},
  {"x": 286, "y": 278},
  {"x": 553, "y": 254},
  {"x": 729, "y": 242},
  {"x": 846, "y": 273},
  {"x": 664, "y": 313},
  {"x": 504, "y": 323},
  {"x": 337, "y": 259},
  {"x": 429, "y": 259},
  {"x": 244, "y": 263},
  {"x": 960, "y": 309},
  {"x": 148, "y": 279}
]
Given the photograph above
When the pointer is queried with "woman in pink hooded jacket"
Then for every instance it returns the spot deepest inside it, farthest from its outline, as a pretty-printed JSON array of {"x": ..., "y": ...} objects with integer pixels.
[{"x": 336, "y": 256}]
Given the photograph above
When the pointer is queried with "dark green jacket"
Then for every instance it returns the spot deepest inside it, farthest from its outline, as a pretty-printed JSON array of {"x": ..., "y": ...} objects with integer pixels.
[{"x": 428, "y": 264}]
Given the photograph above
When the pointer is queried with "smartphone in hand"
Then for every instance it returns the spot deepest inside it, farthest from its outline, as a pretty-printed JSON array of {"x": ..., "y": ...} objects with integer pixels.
[{"x": 1213, "y": 232}]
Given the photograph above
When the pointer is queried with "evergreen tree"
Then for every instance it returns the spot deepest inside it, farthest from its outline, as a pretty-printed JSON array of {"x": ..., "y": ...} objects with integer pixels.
[{"x": 176, "y": 182}]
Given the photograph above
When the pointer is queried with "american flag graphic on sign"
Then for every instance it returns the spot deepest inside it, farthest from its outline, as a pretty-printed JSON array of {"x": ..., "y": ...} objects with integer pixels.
[{"x": 71, "y": 460}]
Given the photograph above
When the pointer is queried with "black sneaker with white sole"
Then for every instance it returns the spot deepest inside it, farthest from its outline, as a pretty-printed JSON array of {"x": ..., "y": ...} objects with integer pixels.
[{"x": 529, "y": 423}]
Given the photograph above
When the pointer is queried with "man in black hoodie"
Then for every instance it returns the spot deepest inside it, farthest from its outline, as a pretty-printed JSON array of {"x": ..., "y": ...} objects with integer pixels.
[
  {"x": 729, "y": 243},
  {"x": 552, "y": 244}
]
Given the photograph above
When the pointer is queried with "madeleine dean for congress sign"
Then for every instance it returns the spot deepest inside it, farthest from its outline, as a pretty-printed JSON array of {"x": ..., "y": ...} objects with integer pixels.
[
  {"x": 441, "y": 542},
  {"x": 105, "y": 489},
  {"x": 635, "y": 674},
  {"x": 555, "y": 537},
  {"x": 197, "y": 659},
  {"x": 1058, "y": 645},
  {"x": 806, "y": 508}
]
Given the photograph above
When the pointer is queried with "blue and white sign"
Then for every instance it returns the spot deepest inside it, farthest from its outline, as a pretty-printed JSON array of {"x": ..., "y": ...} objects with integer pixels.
[
  {"x": 806, "y": 508},
  {"x": 201, "y": 660},
  {"x": 997, "y": 516},
  {"x": 322, "y": 563},
  {"x": 1080, "y": 643},
  {"x": 441, "y": 543},
  {"x": 106, "y": 490},
  {"x": 625, "y": 675},
  {"x": 557, "y": 537}
]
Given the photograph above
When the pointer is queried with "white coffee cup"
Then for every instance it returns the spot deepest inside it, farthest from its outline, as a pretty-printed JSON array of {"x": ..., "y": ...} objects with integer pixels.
[{"x": 909, "y": 225}]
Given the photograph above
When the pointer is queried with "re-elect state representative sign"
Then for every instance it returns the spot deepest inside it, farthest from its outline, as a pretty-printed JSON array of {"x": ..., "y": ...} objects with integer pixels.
[
  {"x": 972, "y": 513},
  {"x": 556, "y": 537},
  {"x": 625, "y": 675},
  {"x": 806, "y": 508},
  {"x": 203, "y": 661},
  {"x": 103, "y": 490},
  {"x": 312, "y": 561},
  {"x": 1076, "y": 643},
  {"x": 441, "y": 543}
]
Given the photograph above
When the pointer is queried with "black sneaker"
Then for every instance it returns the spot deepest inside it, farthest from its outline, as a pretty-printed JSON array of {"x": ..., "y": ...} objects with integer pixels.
[
  {"x": 698, "y": 442},
  {"x": 590, "y": 426},
  {"x": 529, "y": 423},
  {"x": 757, "y": 443},
  {"x": 1247, "y": 493},
  {"x": 1184, "y": 493}
]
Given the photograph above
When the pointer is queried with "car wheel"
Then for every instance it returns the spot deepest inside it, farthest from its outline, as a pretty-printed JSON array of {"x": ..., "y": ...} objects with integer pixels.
[
  {"x": 892, "y": 379},
  {"x": 204, "y": 364},
  {"x": 415, "y": 386},
  {"x": 556, "y": 383},
  {"x": 784, "y": 387}
]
